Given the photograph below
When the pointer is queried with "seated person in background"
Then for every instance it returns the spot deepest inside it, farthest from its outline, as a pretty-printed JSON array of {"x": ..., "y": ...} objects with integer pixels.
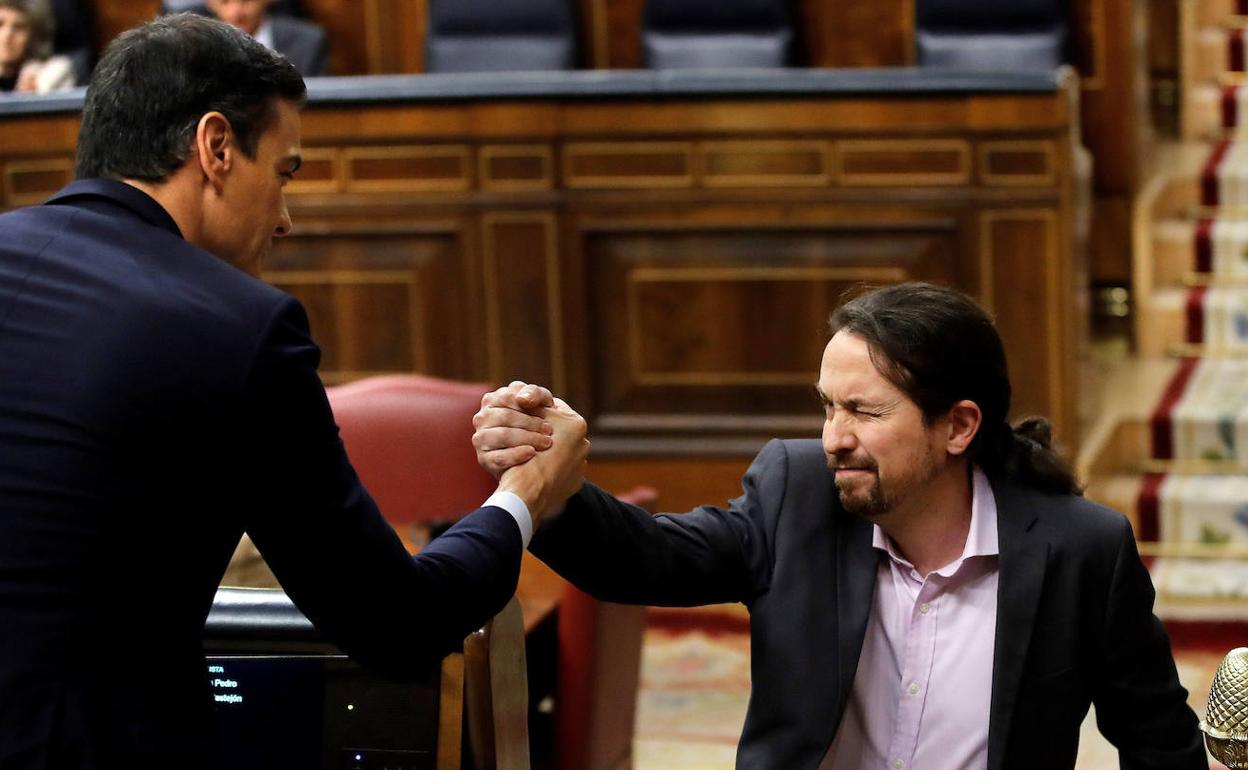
[
  {"x": 25, "y": 43},
  {"x": 927, "y": 589},
  {"x": 300, "y": 41}
]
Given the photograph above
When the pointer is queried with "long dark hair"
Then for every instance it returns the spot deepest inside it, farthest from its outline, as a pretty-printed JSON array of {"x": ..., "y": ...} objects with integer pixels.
[{"x": 939, "y": 347}]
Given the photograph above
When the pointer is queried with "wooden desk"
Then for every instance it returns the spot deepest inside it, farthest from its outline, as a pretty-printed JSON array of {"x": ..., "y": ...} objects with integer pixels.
[{"x": 661, "y": 248}]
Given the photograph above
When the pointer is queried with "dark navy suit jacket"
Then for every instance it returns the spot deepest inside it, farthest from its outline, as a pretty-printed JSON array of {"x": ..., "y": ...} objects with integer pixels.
[
  {"x": 1074, "y": 612},
  {"x": 155, "y": 402}
]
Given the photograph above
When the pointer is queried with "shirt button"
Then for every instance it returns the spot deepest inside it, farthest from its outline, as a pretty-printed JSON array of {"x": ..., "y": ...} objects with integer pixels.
[
  {"x": 913, "y": 689},
  {"x": 925, "y": 608},
  {"x": 899, "y": 763}
]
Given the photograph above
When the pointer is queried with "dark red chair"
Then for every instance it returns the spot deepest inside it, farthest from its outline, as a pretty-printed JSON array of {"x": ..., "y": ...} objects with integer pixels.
[{"x": 409, "y": 438}]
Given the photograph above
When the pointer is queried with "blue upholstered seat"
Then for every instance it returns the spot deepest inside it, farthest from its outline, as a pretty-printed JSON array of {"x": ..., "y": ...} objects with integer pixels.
[
  {"x": 501, "y": 35},
  {"x": 992, "y": 35},
  {"x": 684, "y": 34}
]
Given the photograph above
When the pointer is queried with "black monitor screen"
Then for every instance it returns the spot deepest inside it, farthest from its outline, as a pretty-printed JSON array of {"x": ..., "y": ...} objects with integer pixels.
[{"x": 303, "y": 712}]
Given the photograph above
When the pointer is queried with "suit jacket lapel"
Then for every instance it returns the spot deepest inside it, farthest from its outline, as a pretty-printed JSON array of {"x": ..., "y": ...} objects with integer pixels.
[
  {"x": 856, "y": 562},
  {"x": 1021, "y": 566}
]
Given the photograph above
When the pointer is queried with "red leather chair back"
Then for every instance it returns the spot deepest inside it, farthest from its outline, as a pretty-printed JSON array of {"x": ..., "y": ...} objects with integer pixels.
[{"x": 410, "y": 440}]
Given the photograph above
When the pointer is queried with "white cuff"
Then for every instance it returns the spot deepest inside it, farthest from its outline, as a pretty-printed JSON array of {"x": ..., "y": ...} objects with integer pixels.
[{"x": 511, "y": 502}]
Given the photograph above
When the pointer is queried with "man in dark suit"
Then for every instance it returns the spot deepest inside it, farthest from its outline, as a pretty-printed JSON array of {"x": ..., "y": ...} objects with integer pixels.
[
  {"x": 156, "y": 401},
  {"x": 926, "y": 589},
  {"x": 300, "y": 41}
]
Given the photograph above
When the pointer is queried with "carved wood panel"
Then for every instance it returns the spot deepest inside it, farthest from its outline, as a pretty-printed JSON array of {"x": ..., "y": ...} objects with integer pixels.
[
  {"x": 730, "y": 318},
  {"x": 379, "y": 303},
  {"x": 669, "y": 265}
]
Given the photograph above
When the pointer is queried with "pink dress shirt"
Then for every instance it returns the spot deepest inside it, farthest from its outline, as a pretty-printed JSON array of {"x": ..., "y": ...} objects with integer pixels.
[{"x": 923, "y": 689}]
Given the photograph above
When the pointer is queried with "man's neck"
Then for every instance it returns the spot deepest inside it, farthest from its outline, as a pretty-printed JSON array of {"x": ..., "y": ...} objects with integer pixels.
[
  {"x": 932, "y": 527},
  {"x": 177, "y": 195}
]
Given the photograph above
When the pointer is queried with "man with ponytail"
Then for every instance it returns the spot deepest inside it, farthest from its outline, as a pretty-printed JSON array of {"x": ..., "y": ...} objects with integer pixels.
[{"x": 927, "y": 587}]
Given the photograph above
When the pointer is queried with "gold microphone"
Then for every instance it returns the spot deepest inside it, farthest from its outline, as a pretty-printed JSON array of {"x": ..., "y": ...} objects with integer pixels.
[{"x": 1226, "y": 716}]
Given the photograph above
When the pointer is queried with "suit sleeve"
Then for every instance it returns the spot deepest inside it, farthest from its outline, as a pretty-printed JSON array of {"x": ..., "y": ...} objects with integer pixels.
[
  {"x": 619, "y": 552},
  {"x": 1140, "y": 706},
  {"x": 322, "y": 534}
]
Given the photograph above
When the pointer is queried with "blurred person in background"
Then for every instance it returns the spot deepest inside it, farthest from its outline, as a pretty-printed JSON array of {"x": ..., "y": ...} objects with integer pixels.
[
  {"x": 25, "y": 47},
  {"x": 302, "y": 42}
]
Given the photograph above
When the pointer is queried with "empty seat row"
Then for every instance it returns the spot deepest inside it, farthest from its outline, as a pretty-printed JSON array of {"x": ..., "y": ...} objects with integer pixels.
[{"x": 492, "y": 35}]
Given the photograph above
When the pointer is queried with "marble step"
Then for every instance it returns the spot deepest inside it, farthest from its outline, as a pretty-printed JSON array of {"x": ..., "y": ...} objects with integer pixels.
[
  {"x": 1195, "y": 252},
  {"x": 1213, "y": 111},
  {"x": 1183, "y": 415},
  {"x": 1212, "y": 12},
  {"x": 1206, "y": 113},
  {"x": 1215, "y": 53},
  {"x": 1224, "y": 177},
  {"x": 1201, "y": 418},
  {"x": 1200, "y": 589},
  {"x": 1198, "y": 321},
  {"x": 1177, "y": 512},
  {"x": 1193, "y": 533}
]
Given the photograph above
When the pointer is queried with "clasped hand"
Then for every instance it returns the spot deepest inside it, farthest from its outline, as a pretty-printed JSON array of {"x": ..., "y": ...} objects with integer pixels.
[{"x": 533, "y": 443}]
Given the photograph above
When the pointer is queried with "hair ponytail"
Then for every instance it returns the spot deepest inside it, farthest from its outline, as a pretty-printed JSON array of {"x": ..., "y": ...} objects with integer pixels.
[{"x": 1030, "y": 459}]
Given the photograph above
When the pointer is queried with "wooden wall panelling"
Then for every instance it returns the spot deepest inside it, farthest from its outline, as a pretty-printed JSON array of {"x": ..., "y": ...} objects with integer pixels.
[
  {"x": 27, "y": 182},
  {"x": 516, "y": 167},
  {"x": 765, "y": 163},
  {"x": 904, "y": 162},
  {"x": 379, "y": 301},
  {"x": 1163, "y": 64},
  {"x": 623, "y": 33},
  {"x": 353, "y": 28},
  {"x": 1020, "y": 269},
  {"x": 628, "y": 165},
  {"x": 523, "y": 298},
  {"x": 36, "y": 157},
  {"x": 670, "y": 264},
  {"x": 1017, "y": 163},
  {"x": 727, "y": 316},
  {"x": 683, "y": 482},
  {"x": 595, "y": 34},
  {"x": 112, "y": 18},
  {"x": 1111, "y": 63},
  {"x": 370, "y": 37},
  {"x": 875, "y": 34},
  {"x": 411, "y": 168}
]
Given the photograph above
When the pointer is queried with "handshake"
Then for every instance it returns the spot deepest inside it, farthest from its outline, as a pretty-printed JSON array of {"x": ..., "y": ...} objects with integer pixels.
[{"x": 533, "y": 443}]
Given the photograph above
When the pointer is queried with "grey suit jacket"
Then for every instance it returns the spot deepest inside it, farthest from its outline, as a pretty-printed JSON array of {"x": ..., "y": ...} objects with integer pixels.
[
  {"x": 301, "y": 42},
  {"x": 1074, "y": 611}
]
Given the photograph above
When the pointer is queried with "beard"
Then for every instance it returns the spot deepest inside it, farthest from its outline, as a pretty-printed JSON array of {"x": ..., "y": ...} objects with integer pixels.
[
  {"x": 863, "y": 495},
  {"x": 867, "y": 496}
]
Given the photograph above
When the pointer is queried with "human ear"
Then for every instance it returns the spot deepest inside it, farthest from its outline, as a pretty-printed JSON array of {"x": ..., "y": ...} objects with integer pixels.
[
  {"x": 964, "y": 419},
  {"x": 214, "y": 145}
]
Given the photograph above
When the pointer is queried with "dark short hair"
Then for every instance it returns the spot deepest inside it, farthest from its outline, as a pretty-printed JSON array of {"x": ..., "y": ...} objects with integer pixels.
[
  {"x": 156, "y": 81},
  {"x": 39, "y": 44},
  {"x": 939, "y": 347}
]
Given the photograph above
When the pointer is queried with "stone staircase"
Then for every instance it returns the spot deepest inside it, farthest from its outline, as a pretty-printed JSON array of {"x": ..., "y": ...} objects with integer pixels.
[{"x": 1174, "y": 455}]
